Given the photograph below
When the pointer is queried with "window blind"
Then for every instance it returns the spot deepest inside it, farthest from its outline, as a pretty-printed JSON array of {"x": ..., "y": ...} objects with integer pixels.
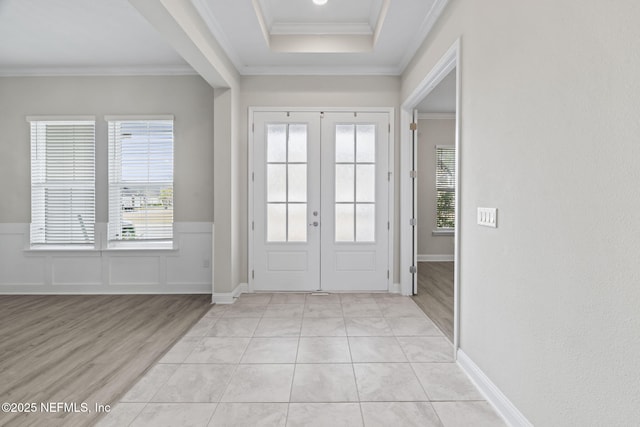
[
  {"x": 445, "y": 186},
  {"x": 62, "y": 182},
  {"x": 140, "y": 180}
]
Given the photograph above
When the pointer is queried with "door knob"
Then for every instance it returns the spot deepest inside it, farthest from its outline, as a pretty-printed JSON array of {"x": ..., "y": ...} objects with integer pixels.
[{"x": 314, "y": 223}]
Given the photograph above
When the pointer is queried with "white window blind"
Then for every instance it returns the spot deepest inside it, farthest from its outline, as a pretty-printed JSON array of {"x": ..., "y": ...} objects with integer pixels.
[
  {"x": 445, "y": 186},
  {"x": 62, "y": 182},
  {"x": 140, "y": 180}
]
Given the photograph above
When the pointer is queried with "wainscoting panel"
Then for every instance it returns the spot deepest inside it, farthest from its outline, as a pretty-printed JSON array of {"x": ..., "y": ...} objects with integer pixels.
[
  {"x": 134, "y": 270},
  {"x": 68, "y": 271},
  {"x": 186, "y": 269}
]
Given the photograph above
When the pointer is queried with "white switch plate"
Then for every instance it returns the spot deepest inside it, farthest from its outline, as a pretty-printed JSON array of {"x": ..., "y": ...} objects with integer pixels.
[{"x": 488, "y": 217}]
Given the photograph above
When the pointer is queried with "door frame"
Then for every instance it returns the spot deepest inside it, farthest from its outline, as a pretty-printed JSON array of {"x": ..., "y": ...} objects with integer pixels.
[
  {"x": 391, "y": 162},
  {"x": 449, "y": 61}
]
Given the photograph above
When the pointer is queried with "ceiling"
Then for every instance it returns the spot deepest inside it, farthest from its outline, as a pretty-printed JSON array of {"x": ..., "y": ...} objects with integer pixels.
[
  {"x": 81, "y": 37},
  {"x": 278, "y": 37}
]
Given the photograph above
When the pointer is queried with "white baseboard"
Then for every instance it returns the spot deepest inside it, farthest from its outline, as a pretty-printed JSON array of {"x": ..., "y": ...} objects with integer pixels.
[
  {"x": 435, "y": 258},
  {"x": 492, "y": 393},
  {"x": 230, "y": 297},
  {"x": 395, "y": 288}
]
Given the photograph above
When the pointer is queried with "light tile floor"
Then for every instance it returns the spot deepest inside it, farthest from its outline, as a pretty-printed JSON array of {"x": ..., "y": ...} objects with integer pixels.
[{"x": 307, "y": 360}]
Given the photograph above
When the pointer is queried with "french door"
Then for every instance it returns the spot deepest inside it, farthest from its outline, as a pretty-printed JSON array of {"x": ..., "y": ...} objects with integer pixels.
[{"x": 320, "y": 201}]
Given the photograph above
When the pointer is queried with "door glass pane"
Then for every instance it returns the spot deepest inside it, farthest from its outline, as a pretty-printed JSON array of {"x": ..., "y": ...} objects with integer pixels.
[
  {"x": 298, "y": 143},
  {"x": 276, "y": 222},
  {"x": 366, "y": 183},
  {"x": 365, "y": 223},
  {"x": 276, "y": 143},
  {"x": 297, "y": 183},
  {"x": 276, "y": 183},
  {"x": 344, "y": 222},
  {"x": 297, "y": 222},
  {"x": 366, "y": 143},
  {"x": 344, "y": 183},
  {"x": 345, "y": 148}
]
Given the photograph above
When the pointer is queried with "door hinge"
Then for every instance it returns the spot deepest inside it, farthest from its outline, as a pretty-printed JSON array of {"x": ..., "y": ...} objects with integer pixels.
[
  {"x": 389, "y": 127},
  {"x": 387, "y": 274},
  {"x": 253, "y": 176},
  {"x": 388, "y": 225},
  {"x": 388, "y": 176},
  {"x": 253, "y": 127},
  {"x": 413, "y": 126},
  {"x": 253, "y": 276},
  {"x": 413, "y": 269},
  {"x": 413, "y": 222},
  {"x": 413, "y": 174},
  {"x": 253, "y": 225}
]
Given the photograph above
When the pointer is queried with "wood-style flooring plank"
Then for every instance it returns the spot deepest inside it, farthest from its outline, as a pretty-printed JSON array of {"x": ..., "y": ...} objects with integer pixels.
[
  {"x": 89, "y": 349},
  {"x": 435, "y": 294}
]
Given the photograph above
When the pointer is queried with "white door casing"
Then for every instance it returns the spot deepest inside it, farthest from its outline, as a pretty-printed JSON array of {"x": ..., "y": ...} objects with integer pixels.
[{"x": 319, "y": 208}]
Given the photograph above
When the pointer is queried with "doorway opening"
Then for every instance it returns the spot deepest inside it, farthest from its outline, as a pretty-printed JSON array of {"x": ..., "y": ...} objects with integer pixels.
[
  {"x": 435, "y": 204},
  {"x": 430, "y": 240}
]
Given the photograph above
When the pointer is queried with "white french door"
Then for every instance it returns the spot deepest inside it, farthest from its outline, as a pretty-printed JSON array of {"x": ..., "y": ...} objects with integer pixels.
[{"x": 320, "y": 217}]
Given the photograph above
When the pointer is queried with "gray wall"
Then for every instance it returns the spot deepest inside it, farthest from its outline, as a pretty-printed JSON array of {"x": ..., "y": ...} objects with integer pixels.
[
  {"x": 549, "y": 135},
  {"x": 188, "y": 98},
  {"x": 431, "y": 132},
  {"x": 312, "y": 91}
]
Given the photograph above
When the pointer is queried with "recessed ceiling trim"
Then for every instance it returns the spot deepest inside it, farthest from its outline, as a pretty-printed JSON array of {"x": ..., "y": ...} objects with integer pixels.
[
  {"x": 307, "y": 37},
  {"x": 320, "y": 43},
  {"x": 98, "y": 71},
  {"x": 262, "y": 20},
  {"x": 381, "y": 17},
  {"x": 291, "y": 28},
  {"x": 319, "y": 71}
]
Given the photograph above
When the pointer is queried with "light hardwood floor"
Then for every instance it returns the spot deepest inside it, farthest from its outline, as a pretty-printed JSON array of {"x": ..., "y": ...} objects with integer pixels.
[
  {"x": 435, "y": 294},
  {"x": 84, "y": 348}
]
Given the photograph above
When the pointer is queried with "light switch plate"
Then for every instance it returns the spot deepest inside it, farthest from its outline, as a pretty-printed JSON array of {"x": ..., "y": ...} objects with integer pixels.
[{"x": 488, "y": 217}]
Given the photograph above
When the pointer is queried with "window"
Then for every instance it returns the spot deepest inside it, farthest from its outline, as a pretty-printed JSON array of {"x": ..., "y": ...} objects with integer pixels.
[
  {"x": 287, "y": 182},
  {"x": 355, "y": 192},
  {"x": 62, "y": 181},
  {"x": 445, "y": 187},
  {"x": 140, "y": 180}
]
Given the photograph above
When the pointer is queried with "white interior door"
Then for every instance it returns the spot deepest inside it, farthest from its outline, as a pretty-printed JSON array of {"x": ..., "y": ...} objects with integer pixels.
[
  {"x": 286, "y": 184},
  {"x": 320, "y": 201},
  {"x": 355, "y": 202}
]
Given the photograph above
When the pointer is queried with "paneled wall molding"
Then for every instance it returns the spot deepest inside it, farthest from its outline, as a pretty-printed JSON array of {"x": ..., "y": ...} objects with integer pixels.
[{"x": 186, "y": 269}]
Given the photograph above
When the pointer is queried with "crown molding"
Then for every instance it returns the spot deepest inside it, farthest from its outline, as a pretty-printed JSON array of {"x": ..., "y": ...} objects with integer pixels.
[
  {"x": 422, "y": 33},
  {"x": 320, "y": 28},
  {"x": 98, "y": 71},
  {"x": 319, "y": 71}
]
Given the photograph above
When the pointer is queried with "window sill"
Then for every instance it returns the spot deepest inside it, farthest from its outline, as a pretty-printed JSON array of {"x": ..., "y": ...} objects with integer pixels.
[
  {"x": 62, "y": 249},
  {"x": 77, "y": 250},
  {"x": 443, "y": 232},
  {"x": 141, "y": 246}
]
